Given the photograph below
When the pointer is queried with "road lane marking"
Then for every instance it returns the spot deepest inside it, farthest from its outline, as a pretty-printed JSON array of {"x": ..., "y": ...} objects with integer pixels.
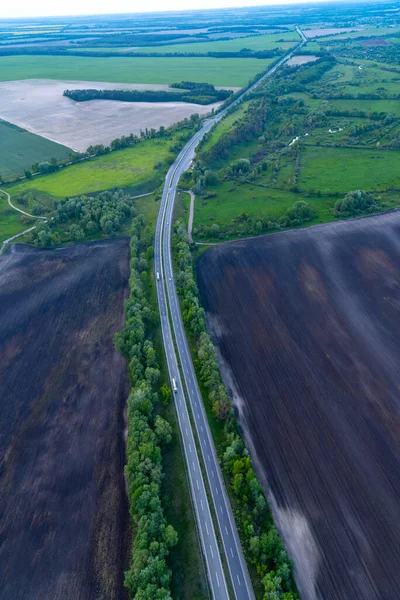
[
  {"x": 201, "y": 504},
  {"x": 212, "y": 472},
  {"x": 197, "y": 483},
  {"x": 194, "y": 467},
  {"x": 201, "y": 427},
  {"x": 220, "y": 508},
  {"x": 212, "y": 553},
  {"x": 216, "y": 490},
  {"x": 238, "y": 579},
  {"x": 186, "y": 431},
  {"x": 216, "y": 575},
  {"x": 205, "y": 523},
  {"x": 226, "y": 530},
  {"x": 190, "y": 448},
  {"x": 209, "y": 459},
  {"x": 231, "y": 551}
]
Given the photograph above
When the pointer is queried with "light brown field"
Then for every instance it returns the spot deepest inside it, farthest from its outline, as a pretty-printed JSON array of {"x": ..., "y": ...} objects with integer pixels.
[
  {"x": 301, "y": 60},
  {"x": 311, "y": 33},
  {"x": 39, "y": 106}
]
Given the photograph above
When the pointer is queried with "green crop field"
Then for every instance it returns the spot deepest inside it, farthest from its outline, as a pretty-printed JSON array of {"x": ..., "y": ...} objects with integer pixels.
[
  {"x": 125, "y": 168},
  {"x": 256, "y": 42},
  {"x": 370, "y": 31},
  {"x": 218, "y": 71},
  {"x": 19, "y": 149},
  {"x": 341, "y": 170}
]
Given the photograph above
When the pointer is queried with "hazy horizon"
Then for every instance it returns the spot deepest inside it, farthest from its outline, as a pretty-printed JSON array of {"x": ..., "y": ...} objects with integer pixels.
[{"x": 45, "y": 8}]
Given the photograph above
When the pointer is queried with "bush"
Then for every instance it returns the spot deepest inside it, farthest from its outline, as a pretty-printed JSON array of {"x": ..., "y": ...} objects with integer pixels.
[{"x": 355, "y": 203}]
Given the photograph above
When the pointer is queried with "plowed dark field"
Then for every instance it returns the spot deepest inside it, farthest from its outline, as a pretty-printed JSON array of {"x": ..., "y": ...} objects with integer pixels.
[
  {"x": 308, "y": 326},
  {"x": 63, "y": 525}
]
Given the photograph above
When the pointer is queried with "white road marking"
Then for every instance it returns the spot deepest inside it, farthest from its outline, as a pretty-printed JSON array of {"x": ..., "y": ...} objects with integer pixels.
[
  {"x": 194, "y": 466},
  {"x": 216, "y": 491},
  {"x": 220, "y": 508},
  {"x": 186, "y": 431},
  {"x": 201, "y": 427},
  {"x": 226, "y": 530},
  {"x": 212, "y": 472},
  {"x": 238, "y": 579},
  {"x": 212, "y": 553},
  {"x": 205, "y": 523},
  {"x": 197, "y": 483},
  {"x": 209, "y": 459},
  {"x": 190, "y": 448},
  {"x": 201, "y": 504},
  {"x": 216, "y": 575},
  {"x": 231, "y": 551}
]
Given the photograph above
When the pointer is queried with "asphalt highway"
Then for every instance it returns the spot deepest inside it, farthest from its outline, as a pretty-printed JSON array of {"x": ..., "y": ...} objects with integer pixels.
[{"x": 170, "y": 314}]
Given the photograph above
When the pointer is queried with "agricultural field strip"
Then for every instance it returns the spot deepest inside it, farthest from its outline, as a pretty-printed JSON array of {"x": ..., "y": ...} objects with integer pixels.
[
  {"x": 116, "y": 69},
  {"x": 163, "y": 265},
  {"x": 320, "y": 369}
]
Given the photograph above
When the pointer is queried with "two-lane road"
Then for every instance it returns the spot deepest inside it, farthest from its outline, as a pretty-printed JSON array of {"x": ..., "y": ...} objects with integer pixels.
[{"x": 170, "y": 314}]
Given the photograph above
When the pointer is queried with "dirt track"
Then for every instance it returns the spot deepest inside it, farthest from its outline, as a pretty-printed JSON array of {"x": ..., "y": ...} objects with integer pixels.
[
  {"x": 308, "y": 327},
  {"x": 63, "y": 528}
]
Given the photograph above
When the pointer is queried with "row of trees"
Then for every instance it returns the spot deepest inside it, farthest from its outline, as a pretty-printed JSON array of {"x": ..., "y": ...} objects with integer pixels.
[
  {"x": 297, "y": 78},
  {"x": 197, "y": 94},
  {"x": 149, "y": 576},
  {"x": 248, "y": 127},
  {"x": 260, "y": 539}
]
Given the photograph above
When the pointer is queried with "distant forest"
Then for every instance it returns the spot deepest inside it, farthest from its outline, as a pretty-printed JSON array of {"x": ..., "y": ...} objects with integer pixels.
[{"x": 195, "y": 93}]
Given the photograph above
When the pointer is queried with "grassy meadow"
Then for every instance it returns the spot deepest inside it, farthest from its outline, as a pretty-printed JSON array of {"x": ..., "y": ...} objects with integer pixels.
[
  {"x": 231, "y": 200},
  {"x": 126, "y": 168},
  {"x": 11, "y": 222},
  {"x": 218, "y": 71},
  {"x": 340, "y": 170}
]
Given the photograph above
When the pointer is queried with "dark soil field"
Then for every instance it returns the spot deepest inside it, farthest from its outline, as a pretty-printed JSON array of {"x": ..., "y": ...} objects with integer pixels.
[
  {"x": 308, "y": 326},
  {"x": 64, "y": 514}
]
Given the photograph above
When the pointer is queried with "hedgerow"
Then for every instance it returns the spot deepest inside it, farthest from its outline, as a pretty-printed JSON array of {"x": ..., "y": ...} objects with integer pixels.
[{"x": 149, "y": 576}]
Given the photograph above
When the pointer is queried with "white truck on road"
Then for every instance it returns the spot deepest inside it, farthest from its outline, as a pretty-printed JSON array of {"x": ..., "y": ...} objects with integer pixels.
[{"x": 174, "y": 385}]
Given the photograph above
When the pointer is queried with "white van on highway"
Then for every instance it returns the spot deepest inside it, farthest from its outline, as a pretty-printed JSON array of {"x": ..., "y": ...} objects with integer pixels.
[{"x": 174, "y": 385}]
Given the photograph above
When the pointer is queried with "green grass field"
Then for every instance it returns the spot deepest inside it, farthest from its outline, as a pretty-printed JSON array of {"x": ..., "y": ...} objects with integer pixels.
[
  {"x": 363, "y": 77},
  {"x": 11, "y": 222},
  {"x": 125, "y": 168},
  {"x": 19, "y": 149},
  {"x": 218, "y": 71},
  {"x": 256, "y": 42},
  {"x": 255, "y": 201},
  {"x": 341, "y": 170}
]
